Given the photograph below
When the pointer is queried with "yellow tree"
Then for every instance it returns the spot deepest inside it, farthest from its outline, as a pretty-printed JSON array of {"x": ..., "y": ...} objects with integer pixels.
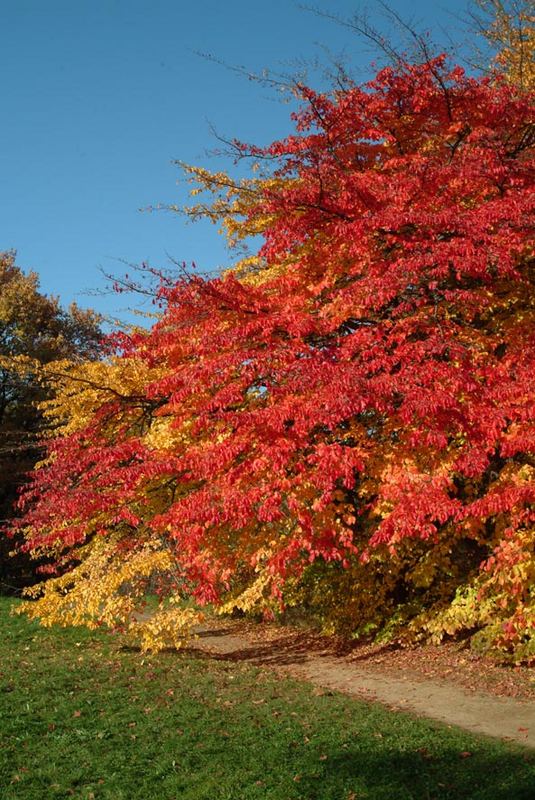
[{"x": 509, "y": 27}]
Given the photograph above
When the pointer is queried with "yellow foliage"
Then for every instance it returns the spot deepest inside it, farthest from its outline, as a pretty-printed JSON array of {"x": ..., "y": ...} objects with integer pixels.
[
  {"x": 511, "y": 30},
  {"x": 94, "y": 590},
  {"x": 234, "y": 205},
  {"x": 255, "y": 596},
  {"x": 105, "y": 590},
  {"x": 81, "y": 389},
  {"x": 167, "y": 627}
]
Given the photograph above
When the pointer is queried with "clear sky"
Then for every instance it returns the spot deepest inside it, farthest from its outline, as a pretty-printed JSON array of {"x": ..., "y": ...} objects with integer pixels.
[{"x": 101, "y": 95}]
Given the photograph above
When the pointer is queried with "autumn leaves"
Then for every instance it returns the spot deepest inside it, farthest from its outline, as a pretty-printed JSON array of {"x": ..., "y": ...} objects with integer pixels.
[{"x": 345, "y": 424}]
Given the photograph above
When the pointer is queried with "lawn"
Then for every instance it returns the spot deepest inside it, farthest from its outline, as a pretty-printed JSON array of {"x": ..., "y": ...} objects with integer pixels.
[{"x": 82, "y": 716}]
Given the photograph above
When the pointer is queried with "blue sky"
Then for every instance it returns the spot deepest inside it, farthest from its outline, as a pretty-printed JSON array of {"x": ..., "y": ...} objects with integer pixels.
[{"x": 100, "y": 96}]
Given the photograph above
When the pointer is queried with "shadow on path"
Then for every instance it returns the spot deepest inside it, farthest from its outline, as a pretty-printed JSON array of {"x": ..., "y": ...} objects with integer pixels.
[{"x": 306, "y": 657}]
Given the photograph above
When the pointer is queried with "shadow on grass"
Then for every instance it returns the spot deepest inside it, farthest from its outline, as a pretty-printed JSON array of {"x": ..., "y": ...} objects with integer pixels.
[{"x": 388, "y": 774}]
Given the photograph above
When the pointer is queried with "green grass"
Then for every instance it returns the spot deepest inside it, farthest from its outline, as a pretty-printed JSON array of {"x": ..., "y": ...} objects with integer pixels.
[{"x": 82, "y": 717}]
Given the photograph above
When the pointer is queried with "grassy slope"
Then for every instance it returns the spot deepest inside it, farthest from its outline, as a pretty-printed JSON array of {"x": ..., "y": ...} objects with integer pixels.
[{"x": 82, "y": 717}]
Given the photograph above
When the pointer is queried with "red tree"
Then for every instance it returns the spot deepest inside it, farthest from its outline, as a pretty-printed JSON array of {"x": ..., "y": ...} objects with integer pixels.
[{"x": 352, "y": 428}]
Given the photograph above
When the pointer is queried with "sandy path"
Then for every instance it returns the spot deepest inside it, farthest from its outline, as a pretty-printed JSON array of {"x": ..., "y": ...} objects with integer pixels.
[{"x": 501, "y": 717}]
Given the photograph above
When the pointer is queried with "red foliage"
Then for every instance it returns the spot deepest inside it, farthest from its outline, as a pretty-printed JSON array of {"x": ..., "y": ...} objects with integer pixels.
[{"x": 378, "y": 389}]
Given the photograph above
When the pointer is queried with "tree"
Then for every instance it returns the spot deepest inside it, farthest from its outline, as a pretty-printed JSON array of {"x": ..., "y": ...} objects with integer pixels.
[
  {"x": 509, "y": 28},
  {"x": 34, "y": 327},
  {"x": 350, "y": 426}
]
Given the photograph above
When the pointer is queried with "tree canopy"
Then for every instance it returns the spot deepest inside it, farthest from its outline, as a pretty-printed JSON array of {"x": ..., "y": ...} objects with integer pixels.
[{"x": 344, "y": 424}]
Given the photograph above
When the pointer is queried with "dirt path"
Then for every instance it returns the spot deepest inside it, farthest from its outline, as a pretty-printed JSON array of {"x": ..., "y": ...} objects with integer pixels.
[{"x": 501, "y": 717}]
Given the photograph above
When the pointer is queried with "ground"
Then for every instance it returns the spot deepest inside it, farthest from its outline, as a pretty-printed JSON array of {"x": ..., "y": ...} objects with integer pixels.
[
  {"x": 447, "y": 682},
  {"x": 86, "y": 716}
]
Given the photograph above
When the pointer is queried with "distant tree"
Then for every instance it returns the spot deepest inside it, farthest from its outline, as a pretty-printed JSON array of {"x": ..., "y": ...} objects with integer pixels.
[
  {"x": 35, "y": 326},
  {"x": 509, "y": 28}
]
